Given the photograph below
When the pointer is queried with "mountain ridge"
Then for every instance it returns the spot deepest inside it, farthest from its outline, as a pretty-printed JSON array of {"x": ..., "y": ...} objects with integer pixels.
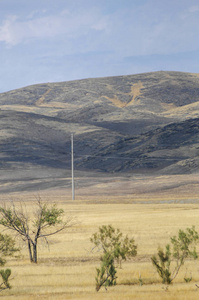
[{"x": 136, "y": 119}]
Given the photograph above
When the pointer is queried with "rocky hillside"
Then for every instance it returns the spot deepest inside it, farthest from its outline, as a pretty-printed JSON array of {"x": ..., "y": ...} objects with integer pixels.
[{"x": 143, "y": 124}]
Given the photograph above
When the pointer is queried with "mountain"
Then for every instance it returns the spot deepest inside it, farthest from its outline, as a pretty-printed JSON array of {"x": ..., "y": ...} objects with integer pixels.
[{"x": 138, "y": 124}]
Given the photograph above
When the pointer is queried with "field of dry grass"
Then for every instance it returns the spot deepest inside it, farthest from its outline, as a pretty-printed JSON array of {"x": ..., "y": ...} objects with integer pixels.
[{"x": 66, "y": 269}]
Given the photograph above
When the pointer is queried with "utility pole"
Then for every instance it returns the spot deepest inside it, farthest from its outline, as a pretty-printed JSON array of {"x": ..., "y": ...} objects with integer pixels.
[{"x": 72, "y": 168}]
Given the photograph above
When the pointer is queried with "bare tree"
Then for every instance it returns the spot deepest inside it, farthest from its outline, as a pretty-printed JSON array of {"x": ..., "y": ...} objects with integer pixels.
[{"x": 47, "y": 221}]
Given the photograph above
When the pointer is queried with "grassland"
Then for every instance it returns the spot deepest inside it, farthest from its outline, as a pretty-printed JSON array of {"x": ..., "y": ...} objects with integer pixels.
[{"x": 66, "y": 269}]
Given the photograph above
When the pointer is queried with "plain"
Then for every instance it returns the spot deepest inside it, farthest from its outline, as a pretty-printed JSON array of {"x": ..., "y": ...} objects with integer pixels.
[{"x": 66, "y": 267}]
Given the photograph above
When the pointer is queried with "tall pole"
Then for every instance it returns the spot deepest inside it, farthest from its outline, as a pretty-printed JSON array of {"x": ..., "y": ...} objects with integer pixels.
[{"x": 72, "y": 168}]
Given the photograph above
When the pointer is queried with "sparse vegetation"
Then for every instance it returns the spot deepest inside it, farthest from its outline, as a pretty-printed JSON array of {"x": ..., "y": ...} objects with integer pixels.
[
  {"x": 67, "y": 271},
  {"x": 140, "y": 280},
  {"x": 182, "y": 247},
  {"x": 47, "y": 221},
  {"x": 121, "y": 117},
  {"x": 7, "y": 248},
  {"x": 187, "y": 279},
  {"x": 116, "y": 249}
]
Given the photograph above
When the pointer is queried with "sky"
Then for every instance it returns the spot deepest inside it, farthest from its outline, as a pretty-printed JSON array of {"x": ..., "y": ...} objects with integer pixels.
[{"x": 51, "y": 41}]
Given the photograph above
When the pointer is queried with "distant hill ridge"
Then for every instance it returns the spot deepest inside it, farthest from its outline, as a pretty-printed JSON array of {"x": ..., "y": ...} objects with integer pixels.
[{"x": 147, "y": 123}]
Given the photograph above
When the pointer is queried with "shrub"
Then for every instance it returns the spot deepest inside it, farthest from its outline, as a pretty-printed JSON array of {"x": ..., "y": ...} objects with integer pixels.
[
  {"x": 182, "y": 247},
  {"x": 116, "y": 249}
]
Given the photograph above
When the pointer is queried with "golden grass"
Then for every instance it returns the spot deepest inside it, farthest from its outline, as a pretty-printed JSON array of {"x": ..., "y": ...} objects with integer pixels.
[{"x": 66, "y": 270}]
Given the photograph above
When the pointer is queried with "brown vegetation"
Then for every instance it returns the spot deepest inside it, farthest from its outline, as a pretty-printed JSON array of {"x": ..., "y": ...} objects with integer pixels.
[{"x": 66, "y": 270}]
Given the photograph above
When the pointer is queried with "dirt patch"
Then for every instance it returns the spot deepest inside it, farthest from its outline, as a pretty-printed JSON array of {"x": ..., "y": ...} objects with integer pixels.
[
  {"x": 41, "y": 100},
  {"x": 135, "y": 92}
]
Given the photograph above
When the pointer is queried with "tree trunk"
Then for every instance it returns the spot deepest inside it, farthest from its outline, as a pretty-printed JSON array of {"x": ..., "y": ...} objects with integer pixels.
[
  {"x": 30, "y": 251},
  {"x": 35, "y": 253}
]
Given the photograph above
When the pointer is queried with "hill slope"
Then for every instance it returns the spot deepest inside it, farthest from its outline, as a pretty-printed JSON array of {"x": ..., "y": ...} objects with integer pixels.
[{"x": 143, "y": 124}]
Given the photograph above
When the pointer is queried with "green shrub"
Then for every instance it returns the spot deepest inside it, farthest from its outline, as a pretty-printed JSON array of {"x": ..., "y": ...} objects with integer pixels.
[
  {"x": 116, "y": 249},
  {"x": 182, "y": 247}
]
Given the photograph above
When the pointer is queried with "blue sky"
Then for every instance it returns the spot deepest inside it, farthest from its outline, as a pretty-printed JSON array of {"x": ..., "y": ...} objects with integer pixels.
[{"x": 48, "y": 41}]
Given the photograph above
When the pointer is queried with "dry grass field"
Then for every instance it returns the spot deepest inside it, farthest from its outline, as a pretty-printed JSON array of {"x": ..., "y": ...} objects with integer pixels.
[{"x": 66, "y": 269}]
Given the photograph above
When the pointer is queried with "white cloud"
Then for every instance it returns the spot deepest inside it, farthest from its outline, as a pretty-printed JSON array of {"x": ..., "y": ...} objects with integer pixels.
[
  {"x": 136, "y": 31},
  {"x": 67, "y": 39},
  {"x": 14, "y": 31},
  {"x": 7, "y": 31}
]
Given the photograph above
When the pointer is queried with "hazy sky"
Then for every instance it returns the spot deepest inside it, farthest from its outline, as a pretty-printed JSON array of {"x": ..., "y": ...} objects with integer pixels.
[{"x": 61, "y": 40}]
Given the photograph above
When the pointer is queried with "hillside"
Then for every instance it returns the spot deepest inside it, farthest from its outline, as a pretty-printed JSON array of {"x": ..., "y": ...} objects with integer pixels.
[{"x": 138, "y": 124}]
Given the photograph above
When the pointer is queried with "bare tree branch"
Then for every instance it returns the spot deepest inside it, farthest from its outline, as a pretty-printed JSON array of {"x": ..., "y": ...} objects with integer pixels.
[{"x": 47, "y": 221}]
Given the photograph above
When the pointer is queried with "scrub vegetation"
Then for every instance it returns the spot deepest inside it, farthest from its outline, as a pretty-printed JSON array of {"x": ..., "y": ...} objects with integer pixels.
[
  {"x": 116, "y": 249},
  {"x": 47, "y": 221},
  {"x": 66, "y": 267}
]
